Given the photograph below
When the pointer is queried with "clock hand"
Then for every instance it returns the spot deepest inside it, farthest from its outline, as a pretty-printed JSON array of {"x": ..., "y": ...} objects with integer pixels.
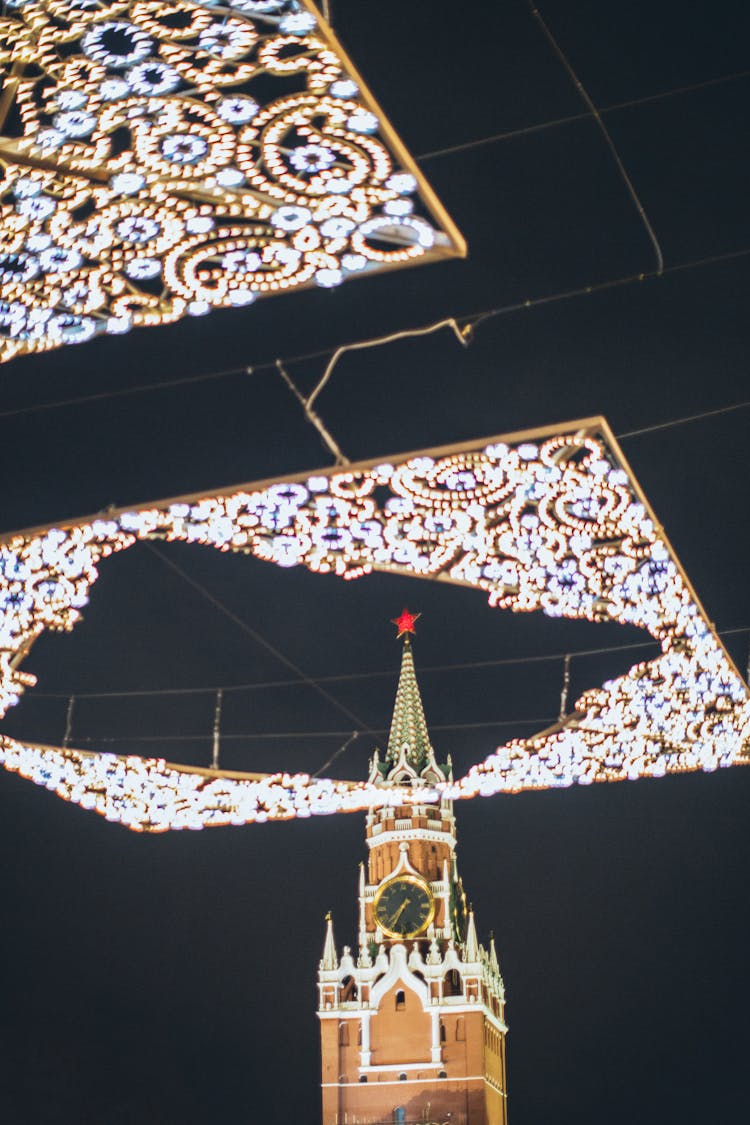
[{"x": 399, "y": 912}]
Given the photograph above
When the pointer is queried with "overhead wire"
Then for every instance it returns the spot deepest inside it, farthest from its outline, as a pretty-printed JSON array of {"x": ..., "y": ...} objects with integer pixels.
[
  {"x": 273, "y": 736},
  {"x": 593, "y": 110},
  {"x": 257, "y": 637},
  {"x": 684, "y": 420},
  {"x": 313, "y": 417},
  {"x": 461, "y": 334},
  {"x": 469, "y": 320},
  {"x": 572, "y": 118},
  {"x": 348, "y": 677}
]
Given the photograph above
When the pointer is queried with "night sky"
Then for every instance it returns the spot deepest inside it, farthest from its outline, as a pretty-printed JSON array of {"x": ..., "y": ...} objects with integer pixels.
[{"x": 170, "y": 980}]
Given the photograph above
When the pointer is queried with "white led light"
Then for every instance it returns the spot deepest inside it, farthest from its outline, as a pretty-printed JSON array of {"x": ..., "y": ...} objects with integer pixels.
[
  {"x": 74, "y": 123},
  {"x": 298, "y": 23},
  {"x": 127, "y": 183},
  {"x": 363, "y": 122},
  {"x": 142, "y": 269},
  {"x": 402, "y": 182},
  {"x": 337, "y": 228},
  {"x": 238, "y": 109},
  {"x": 344, "y": 88},
  {"x": 328, "y": 278},
  {"x": 398, "y": 207},
  {"x": 291, "y": 218},
  {"x": 198, "y": 308},
  {"x": 230, "y": 177},
  {"x": 241, "y": 297},
  {"x": 199, "y": 224}
]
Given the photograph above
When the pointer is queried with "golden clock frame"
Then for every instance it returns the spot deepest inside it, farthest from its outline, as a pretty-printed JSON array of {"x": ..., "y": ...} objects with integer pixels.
[{"x": 415, "y": 881}]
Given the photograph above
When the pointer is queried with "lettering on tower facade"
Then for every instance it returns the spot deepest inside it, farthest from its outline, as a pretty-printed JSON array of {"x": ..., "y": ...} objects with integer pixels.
[{"x": 412, "y": 1023}]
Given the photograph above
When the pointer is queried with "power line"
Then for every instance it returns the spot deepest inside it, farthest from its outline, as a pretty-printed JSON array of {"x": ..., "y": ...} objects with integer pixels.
[
  {"x": 572, "y": 118},
  {"x": 685, "y": 419},
  {"x": 257, "y": 637},
  {"x": 348, "y": 677},
  {"x": 255, "y": 736},
  {"x": 596, "y": 115},
  {"x": 465, "y": 321},
  {"x": 141, "y": 388}
]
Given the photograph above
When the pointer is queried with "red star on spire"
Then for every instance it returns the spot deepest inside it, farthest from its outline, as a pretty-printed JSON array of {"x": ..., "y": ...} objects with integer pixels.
[{"x": 405, "y": 623}]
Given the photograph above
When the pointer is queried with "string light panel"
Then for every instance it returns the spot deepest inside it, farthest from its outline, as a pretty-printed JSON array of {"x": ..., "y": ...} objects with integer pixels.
[
  {"x": 162, "y": 159},
  {"x": 551, "y": 520}
]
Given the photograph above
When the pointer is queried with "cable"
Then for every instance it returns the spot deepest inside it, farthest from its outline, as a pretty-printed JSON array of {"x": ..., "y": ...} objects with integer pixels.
[
  {"x": 69, "y": 721},
  {"x": 554, "y": 123},
  {"x": 142, "y": 388},
  {"x": 462, "y": 335},
  {"x": 254, "y": 736},
  {"x": 470, "y": 320},
  {"x": 565, "y": 688},
  {"x": 604, "y": 131},
  {"x": 257, "y": 637},
  {"x": 347, "y": 677},
  {"x": 313, "y": 418},
  {"x": 685, "y": 419},
  {"x": 337, "y": 754}
]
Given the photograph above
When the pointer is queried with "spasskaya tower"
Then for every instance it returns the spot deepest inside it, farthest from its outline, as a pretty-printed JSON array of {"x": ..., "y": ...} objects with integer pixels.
[{"x": 412, "y": 1026}]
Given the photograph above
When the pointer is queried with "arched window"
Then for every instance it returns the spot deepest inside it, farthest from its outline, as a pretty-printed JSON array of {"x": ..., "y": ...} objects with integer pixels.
[
  {"x": 348, "y": 989},
  {"x": 400, "y": 1000},
  {"x": 452, "y": 983},
  {"x": 442, "y": 1032},
  {"x": 402, "y": 1078},
  {"x": 343, "y": 1034}
]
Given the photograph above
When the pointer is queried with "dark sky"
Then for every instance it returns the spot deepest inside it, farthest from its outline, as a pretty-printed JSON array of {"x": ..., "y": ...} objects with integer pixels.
[{"x": 170, "y": 979}]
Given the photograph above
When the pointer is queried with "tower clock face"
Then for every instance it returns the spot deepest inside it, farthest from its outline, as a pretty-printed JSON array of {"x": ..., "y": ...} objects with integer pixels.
[{"x": 404, "y": 907}]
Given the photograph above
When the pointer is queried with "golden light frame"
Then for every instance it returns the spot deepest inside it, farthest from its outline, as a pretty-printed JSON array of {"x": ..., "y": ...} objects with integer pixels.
[
  {"x": 162, "y": 158},
  {"x": 549, "y": 520}
]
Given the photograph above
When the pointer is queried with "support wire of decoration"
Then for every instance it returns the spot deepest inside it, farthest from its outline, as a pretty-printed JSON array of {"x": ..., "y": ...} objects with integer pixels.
[
  {"x": 549, "y": 520},
  {"x": 164, "y": 159}
]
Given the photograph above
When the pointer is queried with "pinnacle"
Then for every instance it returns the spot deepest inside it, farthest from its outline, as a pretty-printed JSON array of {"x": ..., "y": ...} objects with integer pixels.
[
  {"x": 408, "y": 726},
  {"x": 329, "y": 961}
]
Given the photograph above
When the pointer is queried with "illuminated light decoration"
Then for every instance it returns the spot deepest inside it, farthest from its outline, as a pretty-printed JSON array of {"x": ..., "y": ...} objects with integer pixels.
[
  {"x": 144, "y": 142},
  {"x": 405, "y": 623},
  {"x": 551, "y": 520}
]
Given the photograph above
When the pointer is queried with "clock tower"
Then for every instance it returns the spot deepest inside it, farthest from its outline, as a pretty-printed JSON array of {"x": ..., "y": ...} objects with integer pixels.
[{"x": 412, "y": 1025}]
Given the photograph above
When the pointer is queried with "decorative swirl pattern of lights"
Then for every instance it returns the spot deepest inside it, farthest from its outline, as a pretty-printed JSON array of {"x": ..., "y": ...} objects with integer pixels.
[
  {"x": 548, "y": 521},
  {"x": 162, "y": 158}
]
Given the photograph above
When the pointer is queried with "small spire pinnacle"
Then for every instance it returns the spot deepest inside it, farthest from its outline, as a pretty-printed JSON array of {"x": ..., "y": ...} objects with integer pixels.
[
  {"x": 329, "y": 961},
  {"x": 471, "y": 946},
  {"x": 494, "y": 963}
]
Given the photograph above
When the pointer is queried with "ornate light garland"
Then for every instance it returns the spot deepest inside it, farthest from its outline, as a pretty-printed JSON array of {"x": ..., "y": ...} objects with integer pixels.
[
  {"x": 166, "y": 157},
  {"x": 551, "y": 520}
]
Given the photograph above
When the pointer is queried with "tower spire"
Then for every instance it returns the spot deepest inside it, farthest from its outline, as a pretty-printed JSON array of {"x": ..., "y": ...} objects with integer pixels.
[
  {"x": 408, "y": 739},
  {"x": 471, "y": 944},
  {"x": 329, "y": 960},
  {"x": 494, "y": 963}
]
